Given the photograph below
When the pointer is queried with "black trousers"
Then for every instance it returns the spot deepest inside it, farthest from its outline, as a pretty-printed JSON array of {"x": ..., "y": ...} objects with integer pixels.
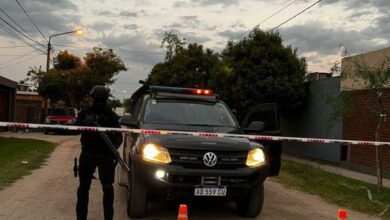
[{"x": 87, "y": 165}]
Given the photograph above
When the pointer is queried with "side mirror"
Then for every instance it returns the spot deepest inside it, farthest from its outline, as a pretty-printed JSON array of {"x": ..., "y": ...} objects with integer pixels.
[
  {"x": 235, "y": 112},
  {"x": 126, "y": 120},
  {"x": 255, "y": 126}
]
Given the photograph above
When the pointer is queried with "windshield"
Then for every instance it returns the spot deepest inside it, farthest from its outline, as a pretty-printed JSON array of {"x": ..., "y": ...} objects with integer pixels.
[
  {"x": 191, "y": 114},
  {"x": 62, "y": 111}
]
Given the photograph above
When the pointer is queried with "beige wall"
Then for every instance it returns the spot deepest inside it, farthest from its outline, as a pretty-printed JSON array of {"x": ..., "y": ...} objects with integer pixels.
[{"x": 373, "y": 58}]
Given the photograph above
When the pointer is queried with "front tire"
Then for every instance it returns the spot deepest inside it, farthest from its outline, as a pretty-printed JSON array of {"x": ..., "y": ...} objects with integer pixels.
[
  {"x": 136, "y": 196},
  {"x": 45, "y": 131},
  {"x": 251, "y": 204}
]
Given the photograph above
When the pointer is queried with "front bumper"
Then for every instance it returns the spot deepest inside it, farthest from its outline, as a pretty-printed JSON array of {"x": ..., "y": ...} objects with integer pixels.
[{"x": 182, "y": 181}]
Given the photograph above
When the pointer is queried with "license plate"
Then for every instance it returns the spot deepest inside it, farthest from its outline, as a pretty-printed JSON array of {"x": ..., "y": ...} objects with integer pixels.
[{"x": 210, "y": 191}]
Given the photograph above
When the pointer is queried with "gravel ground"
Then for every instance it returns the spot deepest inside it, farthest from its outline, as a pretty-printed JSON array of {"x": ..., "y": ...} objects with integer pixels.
[{"x": 50, "y": 193}]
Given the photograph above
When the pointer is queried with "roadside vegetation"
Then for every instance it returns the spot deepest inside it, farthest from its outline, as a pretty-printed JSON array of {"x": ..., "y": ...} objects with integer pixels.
[
  {"x": 19, "y": 156},
  {"x": 340, "y": 190}
]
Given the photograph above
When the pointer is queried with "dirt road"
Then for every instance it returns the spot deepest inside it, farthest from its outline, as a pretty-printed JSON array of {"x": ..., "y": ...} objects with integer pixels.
[{"x": 50, "y": 193}]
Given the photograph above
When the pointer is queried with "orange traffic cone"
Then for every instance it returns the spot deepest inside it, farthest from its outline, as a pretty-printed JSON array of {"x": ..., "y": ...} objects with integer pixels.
[
  {"x": 183, "y": 214},
  {"x": 342, "y": 214}
]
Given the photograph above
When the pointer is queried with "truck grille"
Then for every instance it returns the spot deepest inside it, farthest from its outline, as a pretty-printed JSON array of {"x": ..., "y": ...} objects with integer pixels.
[{"x": 189, "y": 158}]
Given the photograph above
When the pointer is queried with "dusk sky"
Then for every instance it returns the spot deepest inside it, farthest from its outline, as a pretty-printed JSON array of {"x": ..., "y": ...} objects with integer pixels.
[{"x": 134, "y": 29}]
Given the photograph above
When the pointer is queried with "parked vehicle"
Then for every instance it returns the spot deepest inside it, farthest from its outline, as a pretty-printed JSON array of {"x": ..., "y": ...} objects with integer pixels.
[{"x": 60, "y": 116}]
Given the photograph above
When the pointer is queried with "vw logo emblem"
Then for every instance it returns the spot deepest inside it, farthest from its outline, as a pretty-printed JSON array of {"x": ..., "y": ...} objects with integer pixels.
[{"x": 210, "y": 159}]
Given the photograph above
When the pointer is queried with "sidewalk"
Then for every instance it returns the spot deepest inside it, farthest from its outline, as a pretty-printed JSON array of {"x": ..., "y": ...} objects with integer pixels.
[{"x": 337, "y": 170}]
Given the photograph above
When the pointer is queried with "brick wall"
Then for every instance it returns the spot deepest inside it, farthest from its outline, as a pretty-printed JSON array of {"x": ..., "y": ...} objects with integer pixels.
[{"x": 361, "y": 125}]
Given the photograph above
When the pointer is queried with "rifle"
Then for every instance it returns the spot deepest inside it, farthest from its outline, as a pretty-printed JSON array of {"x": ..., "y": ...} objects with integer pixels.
[{"x": 114, "y": 152}]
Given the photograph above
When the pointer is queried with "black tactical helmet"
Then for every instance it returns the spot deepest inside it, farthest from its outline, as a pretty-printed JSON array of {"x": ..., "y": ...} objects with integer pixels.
[{"x": 99, "y": 94}]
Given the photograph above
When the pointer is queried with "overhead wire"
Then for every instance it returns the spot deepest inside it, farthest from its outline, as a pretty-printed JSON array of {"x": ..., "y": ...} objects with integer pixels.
[
  {"x": 20, "y": 56},
  {"x": 13, "y": 34},
  {"x": 29, "y": 17},
  {"x": 10, "y": 18},
  {"x": 16, "y": 46},
  {"x": 269, "y": 17},
  {"x": 10, "y": 25},
  {"x": 12, "y": 64},
  {"x": 307, "y": 8}
]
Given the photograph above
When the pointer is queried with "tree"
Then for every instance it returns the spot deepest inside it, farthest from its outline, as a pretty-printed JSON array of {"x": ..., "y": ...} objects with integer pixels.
[
  {"x": 114, "y": 103},
  {"x": 172, "y": 43},
  {"x": 71, "y": 80},
  {"x": 257, "y": 69},
  {"x": 189, "y": 66},
  {"x": 127, "y": 104},
  {"x": 260, "y": 69}
]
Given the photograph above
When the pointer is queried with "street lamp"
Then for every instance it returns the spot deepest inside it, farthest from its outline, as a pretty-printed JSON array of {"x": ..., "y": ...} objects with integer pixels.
[{"x": 78, "y": 32}]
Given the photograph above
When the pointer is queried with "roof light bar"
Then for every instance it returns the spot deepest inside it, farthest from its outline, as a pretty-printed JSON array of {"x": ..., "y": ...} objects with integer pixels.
[{"x": 156, "y": 89}]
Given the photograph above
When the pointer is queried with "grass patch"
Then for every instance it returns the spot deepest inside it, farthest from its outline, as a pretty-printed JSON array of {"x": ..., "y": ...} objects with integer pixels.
[
  {"x": 340, "y": 190},
  {"x": 14, "y": 152}
]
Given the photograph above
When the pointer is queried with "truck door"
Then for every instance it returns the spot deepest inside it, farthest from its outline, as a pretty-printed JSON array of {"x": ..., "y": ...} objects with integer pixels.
[{"x": 268, "y": 114}]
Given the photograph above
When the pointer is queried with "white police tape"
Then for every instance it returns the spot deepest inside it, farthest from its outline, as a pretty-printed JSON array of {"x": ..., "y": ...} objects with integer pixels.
[{"x": 198, "y": 134}]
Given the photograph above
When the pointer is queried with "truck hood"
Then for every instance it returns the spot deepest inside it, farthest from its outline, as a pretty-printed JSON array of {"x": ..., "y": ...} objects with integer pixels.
[{"x": 198, "y": 143}]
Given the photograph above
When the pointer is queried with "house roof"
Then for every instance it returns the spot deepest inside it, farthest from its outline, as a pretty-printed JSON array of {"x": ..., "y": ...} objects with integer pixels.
[{"x": 8, "y": 83}]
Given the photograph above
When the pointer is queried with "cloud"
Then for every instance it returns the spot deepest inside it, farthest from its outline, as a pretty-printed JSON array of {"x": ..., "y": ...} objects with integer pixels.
[
  {"x": 134, "y": 48},
  {"x": 128, "y": 14},
  {"x": 216, "y": 2},
  {"x": 105, "y": 13},
  {"x": 230, "y": 34},
  {"x": 50, "y": 16},
  {"x": 100, "y": 26},
  {"x": 190, "y": 36},
  {"x": 191, "y": 21},
  {"x": 313, "y": 36},
  {"x": 202, "y": 3},
  {"x": 130, "y": 26}
]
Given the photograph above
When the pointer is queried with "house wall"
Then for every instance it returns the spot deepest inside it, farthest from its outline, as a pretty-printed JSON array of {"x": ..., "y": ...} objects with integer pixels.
[
  {"x": 7, "y": 103},
  {"x": 29, "y": 108},
  {"x": 372, "y": 59},
  {"x": 362, "y": 124},
  {"x": 313, "y": 120}
]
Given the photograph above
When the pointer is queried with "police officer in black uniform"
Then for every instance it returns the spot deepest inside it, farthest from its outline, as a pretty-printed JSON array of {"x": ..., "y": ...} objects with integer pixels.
[{"x": 95, "y": 153}]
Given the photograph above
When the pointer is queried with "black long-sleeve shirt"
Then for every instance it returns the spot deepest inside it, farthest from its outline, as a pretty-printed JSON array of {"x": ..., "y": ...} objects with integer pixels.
[{"x": 105, "y": 117}]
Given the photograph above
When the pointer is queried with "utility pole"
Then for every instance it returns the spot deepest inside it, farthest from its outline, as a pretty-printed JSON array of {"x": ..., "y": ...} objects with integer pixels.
[
  {"x": 48, "y": 56},
  {"x": 79, "y": 32}
]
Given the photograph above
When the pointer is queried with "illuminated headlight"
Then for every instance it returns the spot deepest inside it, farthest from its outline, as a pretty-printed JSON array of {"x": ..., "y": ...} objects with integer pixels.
[
  {"x": 255, "y": 158},
  {"x": 156, "y": 154},
  {"x": 159, "y": 174}
]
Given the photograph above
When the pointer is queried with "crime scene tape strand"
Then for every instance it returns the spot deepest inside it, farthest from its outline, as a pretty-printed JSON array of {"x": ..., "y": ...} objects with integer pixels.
[{"x": 198, "y": 134}]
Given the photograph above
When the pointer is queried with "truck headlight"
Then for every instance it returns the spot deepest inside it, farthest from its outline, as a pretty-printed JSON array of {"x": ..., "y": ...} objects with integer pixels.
[
  {"x": 156, "y": 154},
  {"x": 255, "y": 158}
]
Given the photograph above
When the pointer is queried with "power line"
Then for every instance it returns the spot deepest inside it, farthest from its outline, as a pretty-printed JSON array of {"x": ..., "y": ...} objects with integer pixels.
[
  {"x": 36, "y": 27},
  {"x": 10, "y": 18},
  {"x": 21, "y": 32},
  {"x": 12, "y": 64},
  {"x": 267, "y": 18},
  {"x": 10, "y": 32},
  {"x": 21, "y": 56},
  {"x": 13, "y": 55},
  {"x": 15, "y": 46},
  {"x": 296, "y": 15}
]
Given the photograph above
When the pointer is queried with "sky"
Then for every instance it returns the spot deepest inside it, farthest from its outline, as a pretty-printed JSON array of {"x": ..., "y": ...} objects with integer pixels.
[{"x": 134, "y": 29}]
